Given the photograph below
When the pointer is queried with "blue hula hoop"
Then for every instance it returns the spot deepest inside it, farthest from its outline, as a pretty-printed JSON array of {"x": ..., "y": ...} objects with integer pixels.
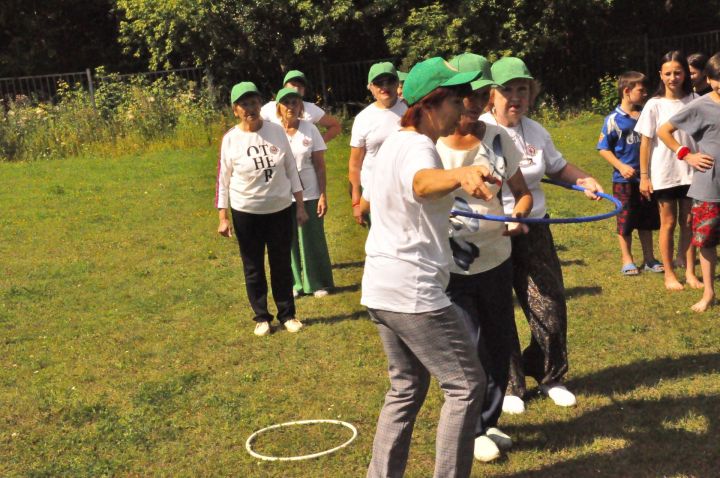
[{"x": 543, "y": 220}]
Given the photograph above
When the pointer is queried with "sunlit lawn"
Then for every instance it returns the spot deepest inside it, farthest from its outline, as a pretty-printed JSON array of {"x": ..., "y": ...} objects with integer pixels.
[{"x": 126, "y": 343}]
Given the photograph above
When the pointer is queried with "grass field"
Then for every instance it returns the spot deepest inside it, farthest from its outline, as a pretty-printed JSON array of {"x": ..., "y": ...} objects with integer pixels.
[{"x": 126, "y": 343}]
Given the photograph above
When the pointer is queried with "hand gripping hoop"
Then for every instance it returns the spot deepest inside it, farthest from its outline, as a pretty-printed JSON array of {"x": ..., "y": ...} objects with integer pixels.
[
  {"x": 543, "y": 220},
  {"x": 251, "y": 438}
]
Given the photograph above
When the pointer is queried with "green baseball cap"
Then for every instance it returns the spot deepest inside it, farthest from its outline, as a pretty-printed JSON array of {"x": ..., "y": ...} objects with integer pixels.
[
  {"x": 284, "y": 93},
  {"x": 382, "y": 68},
  {"x": 430, "y": 74},
  {"x": 473, "y": 62},
  {"x": 402, "y": 75},
  {"x": 242, "y": 89},
  {"x": 510, "y": 68},
  {"x": 295, "y": 75}
]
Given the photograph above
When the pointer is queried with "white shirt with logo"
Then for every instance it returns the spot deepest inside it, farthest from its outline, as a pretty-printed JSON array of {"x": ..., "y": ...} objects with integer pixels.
[
  {"x": 538, "y": 158},
  {"x": 311, "y": 112},
  {"x": 493, "y": 246},
  {"x": 666, "y": 171},
  {"x": 306, "y": 140},
  {"x": 371, "y": 128},
  {"x": 256, "y": 171},
  {"x": 407, "y": 250}
]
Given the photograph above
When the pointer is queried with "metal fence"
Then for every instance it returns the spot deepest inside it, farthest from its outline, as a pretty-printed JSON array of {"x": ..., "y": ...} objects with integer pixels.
[
  {"x": 345, "y": 84},
  {"x": 45, "y": 87}
]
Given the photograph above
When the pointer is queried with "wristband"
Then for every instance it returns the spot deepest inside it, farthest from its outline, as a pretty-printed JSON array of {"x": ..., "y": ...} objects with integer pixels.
[{"x": 681, "y": 152}]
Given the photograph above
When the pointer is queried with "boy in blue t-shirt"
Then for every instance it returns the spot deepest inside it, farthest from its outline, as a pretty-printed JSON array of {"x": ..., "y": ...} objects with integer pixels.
[{"x": 619, "y": 145}]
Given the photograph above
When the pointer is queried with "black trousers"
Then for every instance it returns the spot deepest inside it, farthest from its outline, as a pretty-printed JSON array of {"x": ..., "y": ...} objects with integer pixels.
[
  {"x": 486, "y": 300},
  {"x": 254, "y": 232},
  {"x": 539, "y": 288}
]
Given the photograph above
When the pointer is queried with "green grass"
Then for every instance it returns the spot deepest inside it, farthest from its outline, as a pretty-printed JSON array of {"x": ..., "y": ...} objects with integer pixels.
[{"x": 127, "y": 350}]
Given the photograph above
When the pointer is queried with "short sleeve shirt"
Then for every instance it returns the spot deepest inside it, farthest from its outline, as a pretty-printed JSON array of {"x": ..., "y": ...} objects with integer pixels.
[
  {"x": 665, "y": 170},
  {"x": 311, "y": 112},
  {"x": 306, "y": 140},
  {"x": 407, "y": 250},
  {"x": 701, "y": 120},
  {"x": 618, "y": 136},
  {"x": 370, "y": 129},
  {"x": 502, "y": 158},
  {"x": 539, "y": 157}
]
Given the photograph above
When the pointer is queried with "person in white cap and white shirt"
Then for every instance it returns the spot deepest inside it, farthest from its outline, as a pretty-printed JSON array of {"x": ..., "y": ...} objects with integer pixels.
[{"x": 370, "y": 129}]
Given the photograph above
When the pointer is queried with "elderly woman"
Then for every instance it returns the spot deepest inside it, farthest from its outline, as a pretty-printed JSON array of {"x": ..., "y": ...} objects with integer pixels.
[
  {"x": 406, "y": 274},
  {"x": 256, "y": 179},
  {"x": 482, "y": 286},
  {"x": 296, "y": 80},
  {"x": 312, "y": 271},
  {"x": 371, "y": 128},
  {"x": 537, "y": 276}
]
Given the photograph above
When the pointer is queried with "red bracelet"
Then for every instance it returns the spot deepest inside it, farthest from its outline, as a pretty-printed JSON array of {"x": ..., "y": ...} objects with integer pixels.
[{"x": 682, "y": 152}]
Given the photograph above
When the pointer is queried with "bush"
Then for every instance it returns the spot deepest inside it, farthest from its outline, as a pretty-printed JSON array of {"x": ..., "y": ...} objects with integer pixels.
[
  {"x": 608, "y": 98},
  {"x": 126, "y": 116}
]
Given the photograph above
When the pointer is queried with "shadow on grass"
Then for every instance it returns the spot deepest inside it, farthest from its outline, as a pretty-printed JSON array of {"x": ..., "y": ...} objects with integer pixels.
[
  {"x": 572, "y": 292},
  {"x": 655, "y": 437},
  {"x": 360, "y": 314},
  {"x": 573, "y": 262},
  {"x": 346, "y": 288},
  {"x": 348, "y": 265}
]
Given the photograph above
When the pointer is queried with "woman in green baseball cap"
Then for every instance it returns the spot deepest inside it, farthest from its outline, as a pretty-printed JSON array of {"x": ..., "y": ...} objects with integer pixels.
[
  {"x": 311, "y": 267},
  {"x": 406, "y": 274},
  {"x": 296, "y": 80},
  {"x": 537, "y": 276},
  {"x": 256, "y": 178},
  {"x": 371, "y": 128},
  {"x": 482, "y": 286}
]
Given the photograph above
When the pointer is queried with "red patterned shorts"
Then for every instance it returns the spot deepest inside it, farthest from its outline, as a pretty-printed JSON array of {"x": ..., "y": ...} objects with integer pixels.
[
  {"x": 705, "y": 224},
  {"x": 638, "y": 213}
]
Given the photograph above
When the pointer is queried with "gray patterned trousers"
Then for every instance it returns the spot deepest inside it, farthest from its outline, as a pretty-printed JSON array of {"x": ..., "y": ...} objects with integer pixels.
[{"x": 418, "y": 346}]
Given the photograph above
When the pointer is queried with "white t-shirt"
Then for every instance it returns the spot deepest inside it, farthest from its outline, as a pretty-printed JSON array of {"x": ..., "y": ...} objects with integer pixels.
[
  {"x": 494, "y": 247},
  {"x": 306, "y": 140},
  {"x": 311, "y": 112},
  {"x": 371, "y": 128},
  {"x": 407, "y": 250},
  {"x": 665, "y": 169},
  {"x": 538, "y": 158},
  {"x": 256, "y": 171}
]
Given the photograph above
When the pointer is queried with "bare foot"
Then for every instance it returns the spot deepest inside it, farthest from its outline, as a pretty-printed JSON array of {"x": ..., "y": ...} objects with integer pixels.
[
  {"x": 693, "y": 282},
  {"x": 671, "y": 282},
  {"x": 704, "y": 304}
]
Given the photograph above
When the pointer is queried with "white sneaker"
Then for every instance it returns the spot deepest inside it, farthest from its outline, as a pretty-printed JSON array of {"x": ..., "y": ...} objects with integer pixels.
[
  {"x": 293, "y": 325},
  {"x": 501, "y": 439},
  {"x": 262, "y": 329},
  {"x": 320, "y": 293},
  {"x": 296, "y": 293},
  {"x": 513, "y": 405},
  {"x": 559, "y": 394},
  {"x": 485, "y": 449}
]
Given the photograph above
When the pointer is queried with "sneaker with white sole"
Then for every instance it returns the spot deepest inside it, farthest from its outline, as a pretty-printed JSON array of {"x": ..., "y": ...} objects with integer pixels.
[
  {"x": 501, "y": 439},
  {"x": 293, "y": 325},
  {"x": 320, "y": 293},
  {"x": 513, "y": 405},
  {"x": 296, "y": 293},
  {"x": 485, "y": 449},
  {"x": 262, "y": 329},
  {"x": 559, "y": 394}
]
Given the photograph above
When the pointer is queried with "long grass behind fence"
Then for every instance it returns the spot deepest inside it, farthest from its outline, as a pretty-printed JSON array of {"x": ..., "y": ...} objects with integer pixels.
[{"x": 125, "y": 116}]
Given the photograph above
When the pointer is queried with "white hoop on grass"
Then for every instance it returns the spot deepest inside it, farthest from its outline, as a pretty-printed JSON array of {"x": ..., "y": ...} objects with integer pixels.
[{"x": 251, "y": 438}]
